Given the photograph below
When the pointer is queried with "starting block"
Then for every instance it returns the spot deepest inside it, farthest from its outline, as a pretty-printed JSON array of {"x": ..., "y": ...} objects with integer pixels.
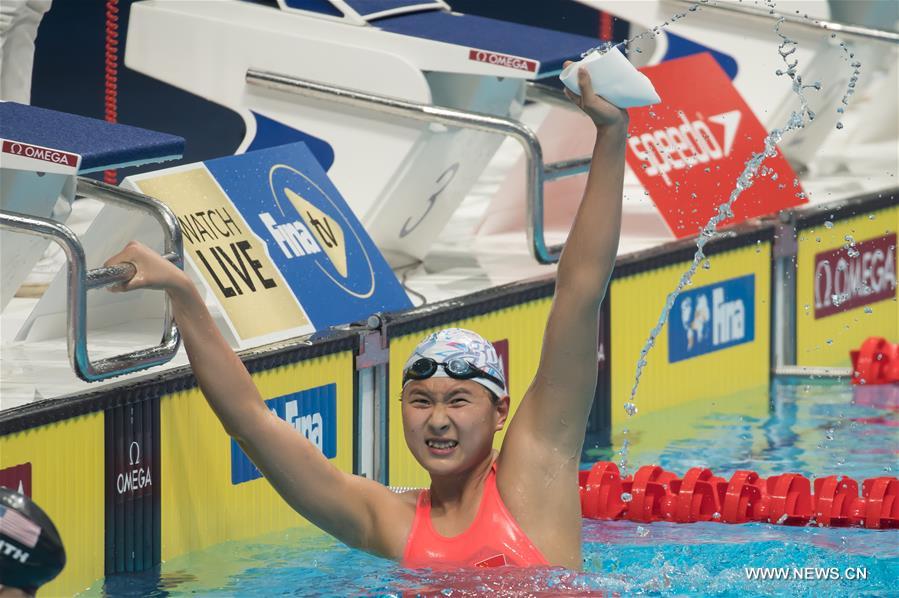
[{"x": 42, "y": 152}]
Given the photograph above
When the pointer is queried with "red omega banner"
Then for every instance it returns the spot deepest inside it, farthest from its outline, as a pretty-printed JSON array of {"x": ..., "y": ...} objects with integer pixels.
[
  {"x": 17, "y": 478},
  {"x": 689, "y": 151},
  {"x": 848, "y": 278}
]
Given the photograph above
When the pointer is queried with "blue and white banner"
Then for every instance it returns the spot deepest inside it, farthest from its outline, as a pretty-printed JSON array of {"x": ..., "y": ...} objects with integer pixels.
[
  {"x": 312, "y": 413},
  {"x": 712, "y": 318},
  {"x": 313, "y": 237}
]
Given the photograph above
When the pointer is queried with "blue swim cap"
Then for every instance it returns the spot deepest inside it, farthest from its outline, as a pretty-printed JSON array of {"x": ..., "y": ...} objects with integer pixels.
[{"x": 458, "y": 343}]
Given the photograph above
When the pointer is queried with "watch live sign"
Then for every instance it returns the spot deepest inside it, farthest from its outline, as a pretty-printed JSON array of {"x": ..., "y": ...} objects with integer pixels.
[{"x": 689, "y": 151}]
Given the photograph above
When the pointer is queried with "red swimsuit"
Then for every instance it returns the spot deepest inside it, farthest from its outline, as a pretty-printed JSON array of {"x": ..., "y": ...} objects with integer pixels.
[{"x": 493, "y": 540}]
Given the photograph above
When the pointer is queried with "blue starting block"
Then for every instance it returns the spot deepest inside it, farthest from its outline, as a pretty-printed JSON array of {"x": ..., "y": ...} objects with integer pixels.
[
  {"x": 100, "y": 144},
  {"x": 41, "y": 153}
]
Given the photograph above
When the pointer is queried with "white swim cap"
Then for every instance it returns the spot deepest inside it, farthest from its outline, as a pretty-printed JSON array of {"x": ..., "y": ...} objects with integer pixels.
[{"x": 471, "y": 347}]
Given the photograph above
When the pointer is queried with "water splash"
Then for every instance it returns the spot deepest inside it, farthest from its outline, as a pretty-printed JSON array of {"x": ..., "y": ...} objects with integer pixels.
[
  {"x": 798, "y": 120},
  {"x": 853, "y": 78}
]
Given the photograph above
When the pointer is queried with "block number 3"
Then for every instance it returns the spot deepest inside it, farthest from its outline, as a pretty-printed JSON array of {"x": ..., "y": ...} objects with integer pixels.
[{"x": 443, "y": 180}]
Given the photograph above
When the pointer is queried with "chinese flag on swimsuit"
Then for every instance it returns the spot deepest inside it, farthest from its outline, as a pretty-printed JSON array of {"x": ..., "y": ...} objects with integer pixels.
[{"x": 689, "y": 151}]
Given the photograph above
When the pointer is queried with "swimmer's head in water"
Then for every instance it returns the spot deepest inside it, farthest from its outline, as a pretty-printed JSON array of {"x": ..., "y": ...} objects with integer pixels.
[
  {"x": 31, "y": 551},
  {"x": 454, "y": 401},
  {"x": 457, "y": 353}
]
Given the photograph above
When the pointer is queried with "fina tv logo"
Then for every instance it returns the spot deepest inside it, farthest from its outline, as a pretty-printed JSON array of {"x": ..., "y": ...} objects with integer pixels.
[
  {"x": 314, "y": 229},
  {"x": 712, "y": 318}
]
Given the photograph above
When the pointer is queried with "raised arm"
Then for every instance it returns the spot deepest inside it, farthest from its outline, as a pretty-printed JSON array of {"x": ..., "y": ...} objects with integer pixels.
[
  {"x": 348, "y": 507},
  {"x": 552, "y": 417}
]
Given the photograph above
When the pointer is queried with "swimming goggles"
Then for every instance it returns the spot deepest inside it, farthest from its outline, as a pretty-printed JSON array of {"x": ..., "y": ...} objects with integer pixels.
[{"x": 424, "y": 368}]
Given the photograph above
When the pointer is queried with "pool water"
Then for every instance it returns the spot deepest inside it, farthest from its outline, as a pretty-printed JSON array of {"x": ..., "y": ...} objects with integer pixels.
[{"x": 813, "y": 427}]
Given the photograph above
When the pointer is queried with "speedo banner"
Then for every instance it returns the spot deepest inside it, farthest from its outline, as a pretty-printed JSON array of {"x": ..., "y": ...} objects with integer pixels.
[{"x": 689, "y": 151}]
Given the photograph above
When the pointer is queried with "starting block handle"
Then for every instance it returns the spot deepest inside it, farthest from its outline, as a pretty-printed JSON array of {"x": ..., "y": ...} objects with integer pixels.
[
  {"x": 80, "y": 280},
  {"x": 109, "y": 275}
]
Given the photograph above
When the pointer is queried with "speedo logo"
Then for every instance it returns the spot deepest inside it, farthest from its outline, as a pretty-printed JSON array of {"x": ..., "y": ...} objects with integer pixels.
[{"x": 686, "y": 145}]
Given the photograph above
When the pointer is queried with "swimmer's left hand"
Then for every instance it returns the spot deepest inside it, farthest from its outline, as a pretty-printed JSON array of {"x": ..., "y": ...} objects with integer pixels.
[{"x": 603, "y": 113}]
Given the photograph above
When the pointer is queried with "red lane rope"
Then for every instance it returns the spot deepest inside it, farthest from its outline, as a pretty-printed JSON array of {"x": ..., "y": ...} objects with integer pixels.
[
  {"x": 112, "y": 72},
  {"x": 653, "y": 494}
]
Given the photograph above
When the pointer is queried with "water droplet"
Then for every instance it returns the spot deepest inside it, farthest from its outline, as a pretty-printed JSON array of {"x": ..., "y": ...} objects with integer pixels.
[
  {"x": 758, "y": 246},
  {"x": 828, "y": 224},
  {"x": 839, "y": 125},
  {"x": 642, "y": 531},
  {"x": 627, "y": 496},
  {"x": 868, "y": 310},
  {"x": 782, "y": 519},
  {"x": 716, "y": 516},
  {"x": 707, "y": 265}
]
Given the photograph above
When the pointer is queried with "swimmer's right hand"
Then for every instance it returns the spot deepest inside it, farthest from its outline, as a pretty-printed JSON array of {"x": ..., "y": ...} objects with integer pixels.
[{"x": 152, "y": 271}]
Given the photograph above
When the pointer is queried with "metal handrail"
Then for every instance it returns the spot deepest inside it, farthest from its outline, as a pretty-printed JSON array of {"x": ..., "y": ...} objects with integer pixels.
[
  {"x": 534, "y": 170},
  {"x": 80, "y": 280},
  {"x": 881, "y": 35},
  {"x": 538, "y": 92}
]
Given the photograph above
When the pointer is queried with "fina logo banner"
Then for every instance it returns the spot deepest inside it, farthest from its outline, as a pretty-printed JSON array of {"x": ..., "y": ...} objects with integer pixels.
[
  {"x": 712, "y": 318},
  {"x": 313, "y": 237},
  {"x": 689, "y": 151},
  {"x": 311, "y": 412}
]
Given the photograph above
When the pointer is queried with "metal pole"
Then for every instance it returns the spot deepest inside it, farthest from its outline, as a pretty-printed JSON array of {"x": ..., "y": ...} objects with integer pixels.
[
  {"x": 436, "y": 114},
  {"x": 845, "y": 29}
]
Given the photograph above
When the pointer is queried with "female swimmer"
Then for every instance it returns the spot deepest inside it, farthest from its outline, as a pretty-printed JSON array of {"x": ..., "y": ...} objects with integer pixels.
[{"x": 519, "y": 506}]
